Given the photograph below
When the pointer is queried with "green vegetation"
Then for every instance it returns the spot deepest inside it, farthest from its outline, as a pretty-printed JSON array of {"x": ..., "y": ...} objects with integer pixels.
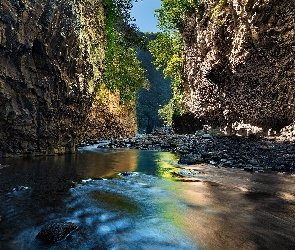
[
  {"x": 150, "y": 100},
  {"x": 173, "y": 12},
  {"x": 220, "y": 4},
  {"x": 123, "y": 71},
  {"x": 168, "y": 51}
]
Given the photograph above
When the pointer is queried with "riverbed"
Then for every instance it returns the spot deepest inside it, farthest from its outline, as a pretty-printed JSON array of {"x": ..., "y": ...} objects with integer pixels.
[{"x": 146, "y": 207}]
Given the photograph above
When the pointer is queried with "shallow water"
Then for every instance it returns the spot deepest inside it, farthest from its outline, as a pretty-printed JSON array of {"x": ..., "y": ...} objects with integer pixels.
[{"x": 151, "y": 209}]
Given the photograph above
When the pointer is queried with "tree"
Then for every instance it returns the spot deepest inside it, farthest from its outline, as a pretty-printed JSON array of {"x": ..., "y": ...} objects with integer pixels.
[
  {"x": 123, "y": 71},
  {"x": 172, "y": 14},
  {"x": 150, "y": 100},
  {"x": 168, "y": 49}
]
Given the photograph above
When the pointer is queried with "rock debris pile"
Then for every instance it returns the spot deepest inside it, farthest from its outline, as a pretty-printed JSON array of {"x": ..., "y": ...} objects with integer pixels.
[{"x": 250, "y": 153}]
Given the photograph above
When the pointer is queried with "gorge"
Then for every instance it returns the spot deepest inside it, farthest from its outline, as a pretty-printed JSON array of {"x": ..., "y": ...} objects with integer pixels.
[
  {"x": 74, "y": 93},
  {"x": 238, "y": 66},
  {"x": 52, "y": 62}
]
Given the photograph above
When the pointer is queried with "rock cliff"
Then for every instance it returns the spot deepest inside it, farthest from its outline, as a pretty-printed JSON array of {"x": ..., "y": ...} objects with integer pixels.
[
  {"x": 239, "y": 62},
  {"x": 109, "y": 118},
  {"x": 51, "y": 66}
]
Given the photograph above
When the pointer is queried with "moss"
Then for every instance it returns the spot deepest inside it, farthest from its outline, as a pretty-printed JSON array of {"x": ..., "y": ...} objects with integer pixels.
[{"x": 219, "y": 5}]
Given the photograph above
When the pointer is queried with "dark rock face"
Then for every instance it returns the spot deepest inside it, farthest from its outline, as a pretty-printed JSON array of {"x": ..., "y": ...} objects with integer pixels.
[
  {"x": 187, "y": 124},
  {"x": 51, "y": 63},
  {"x": 56, "y": 231},
  {"x": 239, "y": 62}
]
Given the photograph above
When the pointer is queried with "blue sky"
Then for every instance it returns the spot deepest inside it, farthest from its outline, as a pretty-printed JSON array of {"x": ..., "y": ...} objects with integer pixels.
[{"x": 143, "y": 12}]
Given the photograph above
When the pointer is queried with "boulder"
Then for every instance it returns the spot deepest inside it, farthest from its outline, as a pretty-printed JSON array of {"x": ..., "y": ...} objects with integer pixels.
[
  {"x": 56, "y": 231},
  {"x": 190, "y": 159}
]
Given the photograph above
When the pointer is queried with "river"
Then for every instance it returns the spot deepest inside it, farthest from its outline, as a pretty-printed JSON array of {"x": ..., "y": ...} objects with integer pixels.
[{"x": 218, "y": 208}]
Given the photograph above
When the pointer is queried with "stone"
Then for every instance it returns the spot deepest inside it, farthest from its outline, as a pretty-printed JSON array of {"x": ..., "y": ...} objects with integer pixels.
[
  {"x": 56, "y": 231},
  {"x": 190, "y": 159},
  {"x": 128, "y": 174},
  {"x": 206, "y": 136},
  {"x": 239, "y": 64},
  {"x": 187, "y": 173}
]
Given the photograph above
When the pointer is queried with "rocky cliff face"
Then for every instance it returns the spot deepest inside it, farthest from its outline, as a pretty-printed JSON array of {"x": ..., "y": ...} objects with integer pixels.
[
  {"x": 51, "y": 64},
  {"x": 109, "y": 118},
  {"x": 239, "y": 62}
]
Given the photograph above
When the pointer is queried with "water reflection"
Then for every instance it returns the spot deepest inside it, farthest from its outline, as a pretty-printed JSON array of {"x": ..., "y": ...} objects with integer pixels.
[
  {"x": 57, "y": 172},
  {"x": 156, "y": 163},
  {"x": 225, "y": 209},
  {"x": 240, "y": 210},
  {"x": 134, "y": 213}
]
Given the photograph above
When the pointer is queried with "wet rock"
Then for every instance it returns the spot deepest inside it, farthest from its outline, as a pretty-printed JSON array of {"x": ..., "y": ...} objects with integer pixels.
[
  {"x": 187, "y": 173},
  {"x": 249, "y": 168},
  {"x": 222, "y": 151},
  {"x": 206, "y": 136},
  {"x": 190, "y": 159},
  {"x": 128, "y": 173},
  {"x": 20, "y": 188},
  {"x": 56, "y": 231}
]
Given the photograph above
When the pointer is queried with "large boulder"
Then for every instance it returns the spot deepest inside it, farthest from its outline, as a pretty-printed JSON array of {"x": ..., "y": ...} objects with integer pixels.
[{"x": 56, "y": 231}]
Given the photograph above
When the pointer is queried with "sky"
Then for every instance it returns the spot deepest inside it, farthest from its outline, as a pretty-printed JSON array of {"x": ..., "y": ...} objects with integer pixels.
[{"x": 143, "y": 12}]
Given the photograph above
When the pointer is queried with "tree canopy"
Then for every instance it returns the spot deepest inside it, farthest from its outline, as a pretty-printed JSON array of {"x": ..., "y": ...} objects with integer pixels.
[
  {"x": 168, "y": 50},
  {"x": 123, "y": 71}
]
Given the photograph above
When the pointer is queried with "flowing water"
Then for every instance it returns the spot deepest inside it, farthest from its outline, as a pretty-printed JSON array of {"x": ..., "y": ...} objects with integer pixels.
[{"x": 149, "y": 209}]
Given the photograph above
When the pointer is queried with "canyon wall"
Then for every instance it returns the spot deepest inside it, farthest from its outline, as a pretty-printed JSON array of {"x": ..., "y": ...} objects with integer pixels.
[
  {"x": 109, "y": 118},
  {"x": 51, "y": 66},
  {"x": 239, "y": 62}
]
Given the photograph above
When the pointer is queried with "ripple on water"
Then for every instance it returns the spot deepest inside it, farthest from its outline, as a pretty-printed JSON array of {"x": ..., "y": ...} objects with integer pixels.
[
  {"x": 133, "y": 212},
  {"x": 128, "y": 213}
]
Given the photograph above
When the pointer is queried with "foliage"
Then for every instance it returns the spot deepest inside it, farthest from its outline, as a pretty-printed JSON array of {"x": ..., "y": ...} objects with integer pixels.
[
  {"x": 168, "y": 51},
  {"x": 149, "y": 101},
  {"x": 123, "y": 71},
  {"x": 172, "y": 13},
  {"x": 173, "y": 108},
  {"x": 219, "y": 5}
]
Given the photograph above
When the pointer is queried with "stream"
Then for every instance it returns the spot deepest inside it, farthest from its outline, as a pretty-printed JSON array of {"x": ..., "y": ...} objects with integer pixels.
[{"x": 145, "y": 208}]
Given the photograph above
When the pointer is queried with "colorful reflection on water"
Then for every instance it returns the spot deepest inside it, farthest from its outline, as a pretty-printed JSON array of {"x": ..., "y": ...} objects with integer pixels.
[{"x": 151, "y": 209}]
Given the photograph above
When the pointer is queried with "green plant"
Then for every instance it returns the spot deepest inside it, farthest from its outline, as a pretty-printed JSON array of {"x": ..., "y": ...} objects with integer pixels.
[
  {"x": 219, "y": 5},
  {"x": 173, "y": 12},
  {"x": 123, "y": 71},
  {"x": 168, "y": 51}
]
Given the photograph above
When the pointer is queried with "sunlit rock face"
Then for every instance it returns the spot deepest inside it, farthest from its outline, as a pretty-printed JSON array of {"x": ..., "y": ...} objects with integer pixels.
[
  {"x": 109, "y": 118},
  {"x": 51, "y": 63},
  {"x": 239, "y": 62}
]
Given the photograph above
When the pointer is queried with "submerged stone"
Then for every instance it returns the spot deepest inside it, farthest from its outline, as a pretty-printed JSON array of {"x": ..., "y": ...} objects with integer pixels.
[
  {"x": 128, "y": 173},
  {"x": 56, "y": 231}
]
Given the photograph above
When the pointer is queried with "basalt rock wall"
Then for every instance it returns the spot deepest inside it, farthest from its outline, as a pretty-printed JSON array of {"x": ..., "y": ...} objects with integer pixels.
[
  {"x": 51, "y": 64},
  {"x": 239, "y": 62}
]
